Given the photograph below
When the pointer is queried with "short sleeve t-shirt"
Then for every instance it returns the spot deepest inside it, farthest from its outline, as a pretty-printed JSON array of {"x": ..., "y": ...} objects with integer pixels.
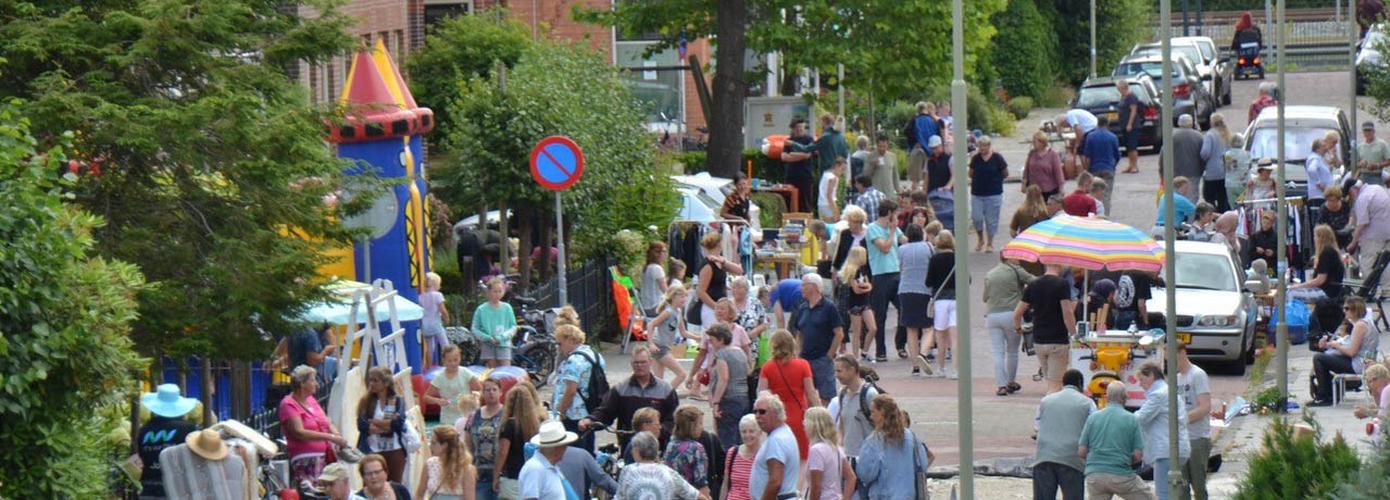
[
  {"x": 576, "y": 368},
  {"x": 879, "y": 261},
  {"x": 652, "y": 277},
  {"x": 301, "y": 344},
  {"x": 1193, "y": 383},
  {"x": 825, "y": 458},
  {"x": 788, "y": 294},
  {"x": 987, "y": 176},
  {"x": 431, "y": 324},
  {"x": 854, "y": 426},
  {"x": 313, "y": 418},
  {"x": 516, "y": 449},
  {"x": 1125, "y": 103},
  {"x": 780, "y": 446},
  {"x": 1330, "y": 266},
  {"x": 1130, "y": 289},
  {"x": 1045, "y": 296}
]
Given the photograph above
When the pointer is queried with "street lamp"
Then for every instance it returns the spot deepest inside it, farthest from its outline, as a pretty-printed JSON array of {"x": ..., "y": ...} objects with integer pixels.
[
  {"x": 962, "y": 200},
  {"x": 1170, "y": 337}
]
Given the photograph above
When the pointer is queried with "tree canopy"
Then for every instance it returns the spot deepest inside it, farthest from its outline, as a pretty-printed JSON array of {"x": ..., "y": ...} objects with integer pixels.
[
  {"x": 204, "y": 145},
  {"x": 459, "y": 48},
  {"x": 65, "y": 356}
]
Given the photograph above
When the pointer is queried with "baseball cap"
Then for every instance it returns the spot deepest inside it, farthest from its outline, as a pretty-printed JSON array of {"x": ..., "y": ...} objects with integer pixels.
[
  {"x": 935, "y": 141},
  {"x": 1368, "y": 125}
]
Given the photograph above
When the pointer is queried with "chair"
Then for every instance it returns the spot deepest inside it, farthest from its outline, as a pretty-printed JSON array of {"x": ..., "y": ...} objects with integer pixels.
[
  {"x": 1339, "y": 380},
  {"x": 1369, "y": 287}
]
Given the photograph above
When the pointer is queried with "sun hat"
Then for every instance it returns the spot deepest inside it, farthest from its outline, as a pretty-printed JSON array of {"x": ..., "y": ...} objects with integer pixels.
[
  {"x": 553, "y": 434},
  {"x": 333, "y": 472},
  {"x": 167, "y": 402},
  {"x": 207, "y": 444}
]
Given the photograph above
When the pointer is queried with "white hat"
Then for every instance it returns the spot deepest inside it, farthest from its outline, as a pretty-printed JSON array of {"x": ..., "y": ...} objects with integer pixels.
[
  {"x": 935, "y": 141},
  {"x": 553, "y": 434}
]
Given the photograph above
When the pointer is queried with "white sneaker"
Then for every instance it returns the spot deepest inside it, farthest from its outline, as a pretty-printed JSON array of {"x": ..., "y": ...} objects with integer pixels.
[{"x": 950, "y": 374}]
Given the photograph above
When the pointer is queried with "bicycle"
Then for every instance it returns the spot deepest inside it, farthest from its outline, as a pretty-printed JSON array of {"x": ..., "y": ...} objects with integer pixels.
[{"x": 608, "y": 456}]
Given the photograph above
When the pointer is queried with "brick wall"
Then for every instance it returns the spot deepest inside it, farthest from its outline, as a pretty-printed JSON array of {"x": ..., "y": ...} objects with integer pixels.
[
  {"x": 399, "y": 23},
  {"x": 552, "y": 18}
]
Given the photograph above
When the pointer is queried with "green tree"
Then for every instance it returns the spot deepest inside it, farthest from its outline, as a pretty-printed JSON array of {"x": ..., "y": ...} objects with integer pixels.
[
  {"x": 205, "y": 146},
  {"x": 891, "y": 50},
  {"x": 1119, "y": 25},
  {"x": 1290, "y": 467},
  {"x": 553, "y": 90},
  {"x": 1024, "y": 52},
  {"x": 64, "y": 319},
  {"x": 459, "y": 48}
]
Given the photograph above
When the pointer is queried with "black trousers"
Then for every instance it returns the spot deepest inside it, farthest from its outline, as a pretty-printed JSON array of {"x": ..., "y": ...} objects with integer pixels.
[
  {"x": 805, "y": 192},
  {"x": 1324, "y": 365},
  {"x": 885, "y": 292},
  {"x": 1214, "y": 192}
]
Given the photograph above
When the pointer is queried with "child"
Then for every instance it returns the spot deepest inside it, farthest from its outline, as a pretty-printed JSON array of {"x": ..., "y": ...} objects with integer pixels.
[
  {"x": 667, "y": 327},
  {"x": 829, "y": 211},
  {"x": 494, "y": 324},
  {"x": 677, "y": 273},
  {"x": 856, "y": 274},
  {"x": 1098, "y": 188},
  {"x": 432, "y": 325}
]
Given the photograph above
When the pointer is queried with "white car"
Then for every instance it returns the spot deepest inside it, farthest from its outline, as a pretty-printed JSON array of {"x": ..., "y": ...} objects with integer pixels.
[
  {"x": 703, "y": 195},
  {"x": 1215, "y": 313},
  {"x": 1302, "y": 125}
]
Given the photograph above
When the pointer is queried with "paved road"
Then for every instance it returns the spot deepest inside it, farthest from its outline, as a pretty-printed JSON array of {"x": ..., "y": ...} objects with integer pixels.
[{"x": 1003, "y": 425}]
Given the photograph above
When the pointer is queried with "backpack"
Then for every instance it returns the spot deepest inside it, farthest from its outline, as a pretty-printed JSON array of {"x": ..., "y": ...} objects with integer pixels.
[
  {"x": 863, "y": 396},
  {"x": 910, "y": 134},
  {"x": 598, "y": 381}
]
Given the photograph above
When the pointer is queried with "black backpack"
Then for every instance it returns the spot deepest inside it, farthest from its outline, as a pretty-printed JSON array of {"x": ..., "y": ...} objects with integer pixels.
[
  {"x": 864, "y": 396},
  {"x": 598, "y": 382},
  {"x": 910, "y": 134}
]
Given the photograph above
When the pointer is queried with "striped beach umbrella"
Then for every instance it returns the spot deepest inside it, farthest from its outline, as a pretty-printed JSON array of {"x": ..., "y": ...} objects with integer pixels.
[{"x": 1087, "y": 243}]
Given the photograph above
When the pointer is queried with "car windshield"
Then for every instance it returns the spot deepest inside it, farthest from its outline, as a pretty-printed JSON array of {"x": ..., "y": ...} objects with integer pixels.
[
  {"x": 1188, "y": 51},
  {"x": 1094, "y": 97},
  {"x": 1298, "y": 142},
  {"x": 1153, "y": 69},
  {"x": 1208, "y": 49},
  {"x": 1205, "y": 271}
]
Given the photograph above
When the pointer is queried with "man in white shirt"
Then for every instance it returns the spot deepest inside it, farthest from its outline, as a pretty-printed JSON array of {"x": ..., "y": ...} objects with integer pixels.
[
  {"x": 541, "y": 478},
  {"x": 1195, "y": 391},
  {"x": 1319, "y": 174},
  {"x": 777, "y": 466}
]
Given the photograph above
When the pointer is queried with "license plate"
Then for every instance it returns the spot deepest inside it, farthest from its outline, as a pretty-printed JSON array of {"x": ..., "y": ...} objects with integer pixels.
[
  {"x": 1112, "y": 116},
  {"x": 1184, "y": 338}
]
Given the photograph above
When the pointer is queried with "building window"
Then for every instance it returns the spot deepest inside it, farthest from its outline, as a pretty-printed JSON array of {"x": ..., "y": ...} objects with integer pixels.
[
  {"x": 400, "y": 46},
  {"x": 658, "y": 87},
  {"x": 439, "y": 10}
]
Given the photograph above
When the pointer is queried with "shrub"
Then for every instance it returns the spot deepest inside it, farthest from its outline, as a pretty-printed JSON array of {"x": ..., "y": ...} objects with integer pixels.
[
  {"x": 1372, "y": 481},
  {"x": 1057, "y": 96},
  {"x": 1001, "y": 122},
  {"x": 1020, "y": 106},
  {"x": 771, "y": 206},
  {"x": 1291, "y": 467},
  {"x": 1024, "y": 53}
]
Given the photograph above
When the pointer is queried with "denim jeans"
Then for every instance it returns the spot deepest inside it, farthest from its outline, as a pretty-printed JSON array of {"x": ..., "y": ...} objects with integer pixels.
[
  {"x": 1004, "y": 344},
  {"x": 885, "y": 292},
  {"x": 1048, "y": 476},
  {"x": 1161, "y": 467},
  {"x": 483, "y": 490}
]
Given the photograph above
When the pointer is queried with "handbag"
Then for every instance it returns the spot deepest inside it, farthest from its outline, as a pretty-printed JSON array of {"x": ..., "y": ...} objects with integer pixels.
[
  {"x": 692, "y": 313},
  {"x": 919, "y": 471},
  {"x": 931, "y": 304}
]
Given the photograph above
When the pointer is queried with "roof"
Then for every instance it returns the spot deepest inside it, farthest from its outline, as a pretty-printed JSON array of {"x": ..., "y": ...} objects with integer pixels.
[
  {"x": 1202, "y": 247},
  {"x": 1149, "y": 58}
]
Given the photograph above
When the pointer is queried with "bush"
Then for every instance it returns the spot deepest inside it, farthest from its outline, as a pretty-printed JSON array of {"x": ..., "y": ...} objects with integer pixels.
[
  {"x": 1024, "y": 53},
  {"x": 1372, "y": 481},
  {"x": 1291, "y": 467},
  {"x": 1020, "y": 106},
  {"x": 771, "y": 206},
  {"x": 1059, "y": 95},
  {"x": 1001, "y": 122}
]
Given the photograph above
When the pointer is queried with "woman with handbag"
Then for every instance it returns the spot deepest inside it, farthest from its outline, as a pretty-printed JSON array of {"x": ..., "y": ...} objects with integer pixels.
[
  {"x": 941, "y": 279},
  {"x": 1003, "y": 289},
  {"x": 789, "y": 377},
  {"x": 381, "y": 425},
  {"x": 713, "y": 285},
  {"x": 309, "y": 436},
  {"x": 892, "y": 462}
]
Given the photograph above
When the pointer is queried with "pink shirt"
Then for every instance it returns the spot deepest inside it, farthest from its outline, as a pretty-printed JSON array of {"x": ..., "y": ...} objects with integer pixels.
[
  {"x": 826, "y": 458},
  {"x": 738, "y": 337},
  {"x": 313, "y": 418},
  {"x": 1384, "y": 413}
]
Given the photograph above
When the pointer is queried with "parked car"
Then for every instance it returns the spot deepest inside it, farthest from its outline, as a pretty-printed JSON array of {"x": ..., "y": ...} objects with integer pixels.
[
  {"x": 1190, "y": 96},
  {"x": 1100, "y": 97},
  {"x": 1215, "y": 313},
  {"x": 1368, "y": 56},
  {"x": 1201, "y": 51},
  {"x": 710, "y": 192},
  {"x": 1302, "y": 125}
]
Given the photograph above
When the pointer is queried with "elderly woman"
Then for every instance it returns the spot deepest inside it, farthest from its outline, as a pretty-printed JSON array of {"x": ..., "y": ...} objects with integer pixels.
[
  {"x": 751, "y": 315},
  {"x": 375, "y": 483},
  {"x": 853, "y": 236},
  {"x": 1345, "y": 354},
  {"x": 1224, "y": 231},
  {"x": 381, "y": 422},
  {"x": 308, "y": 433},
  {"x": 987, "y": 172},
  {"x": 1043, "y": 168},
  {"x": 1377, "y": 381},
  {"x": 891, "y": 457},
  {"x": 648, "y": 477},
  {"x": 740, "y": 458},
  {"x": 1337, "y": 215}
]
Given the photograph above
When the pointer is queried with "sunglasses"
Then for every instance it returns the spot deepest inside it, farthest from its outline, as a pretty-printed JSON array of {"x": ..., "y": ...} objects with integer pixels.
[{"x": 761, "y": 412}]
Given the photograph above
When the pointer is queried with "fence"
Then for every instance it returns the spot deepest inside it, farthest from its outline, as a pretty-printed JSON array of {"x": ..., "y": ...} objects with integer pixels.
[
  {"x": 590, "y": 289},
  {"x": 1315, "y": 38}
]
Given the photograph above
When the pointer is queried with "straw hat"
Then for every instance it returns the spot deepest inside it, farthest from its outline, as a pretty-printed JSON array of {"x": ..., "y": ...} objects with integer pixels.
[
  {"x": 333, "y": 472},
  {"x": 207, "y": 444},
  {"x": 553, "y": 434},
  {"x": 166, "y": 401}
]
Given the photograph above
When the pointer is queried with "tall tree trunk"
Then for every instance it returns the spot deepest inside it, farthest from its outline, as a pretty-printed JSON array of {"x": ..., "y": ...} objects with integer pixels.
[
  {"x": 526, "y": 214},
  {"x": 726, "y": 123}
]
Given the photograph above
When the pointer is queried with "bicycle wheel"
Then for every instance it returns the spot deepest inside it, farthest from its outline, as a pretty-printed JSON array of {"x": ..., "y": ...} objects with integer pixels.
[
  {"x": 468, "y": 346},
  {"x": 538, "y": 358}
]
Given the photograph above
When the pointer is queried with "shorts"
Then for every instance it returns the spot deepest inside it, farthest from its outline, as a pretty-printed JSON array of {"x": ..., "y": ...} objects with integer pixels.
[
  {"x": 1054, "y": 359},
  {"x": 659, "y": 350},
  {"x": 945, "y": 314},
  {"x": 495, "y": 352},
  {"x": 509, "y": 489},
  {"x": 823, "y": 377},
  {"x": 913, "y": 313},
  {"x": 856, "y": 310},
  {"x": 1130, "y": 141},
  {"x": 916, "y": 164}
]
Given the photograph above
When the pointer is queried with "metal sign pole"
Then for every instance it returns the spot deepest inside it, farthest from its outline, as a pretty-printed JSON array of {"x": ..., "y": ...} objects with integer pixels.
[
  {"x": 1353, "y": 36},
  {"x": 1283, "y": 262},
  {"x": 962, "y": 202},
  {"x": 1170, "y": 222},
  {"x": 560, "y": 246},
  {"x": 1093, "y": 42}
]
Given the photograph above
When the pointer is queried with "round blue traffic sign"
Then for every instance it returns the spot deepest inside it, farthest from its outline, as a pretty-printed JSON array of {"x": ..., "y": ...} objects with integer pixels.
[{"x": 557, "y": 162}]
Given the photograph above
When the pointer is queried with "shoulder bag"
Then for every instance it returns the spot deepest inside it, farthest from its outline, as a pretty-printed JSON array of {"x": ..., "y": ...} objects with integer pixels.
[{"x": 931, "y": 304}]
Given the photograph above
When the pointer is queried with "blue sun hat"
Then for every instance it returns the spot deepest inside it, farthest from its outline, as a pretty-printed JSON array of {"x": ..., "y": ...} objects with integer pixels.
[{"x": 167, "y": 402}]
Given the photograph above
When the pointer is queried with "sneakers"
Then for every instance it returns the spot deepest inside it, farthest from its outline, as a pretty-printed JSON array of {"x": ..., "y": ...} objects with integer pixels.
[
  {"x": 950, "y": 374},
  {"x": 902, "y": 353},
  {"x": 881, "y": 359},
  {"x": 916, "y": 372},
  {"x": 921, "y": 364}
]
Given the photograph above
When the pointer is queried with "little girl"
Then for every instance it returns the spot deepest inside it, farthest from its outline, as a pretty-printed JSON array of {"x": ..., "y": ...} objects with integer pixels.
[
  {"x": 494, "y": 324},
  {"x": 432, "y": 325},
  {"x": 856, "y": 274},
  {"x": 667, "y": 327}
]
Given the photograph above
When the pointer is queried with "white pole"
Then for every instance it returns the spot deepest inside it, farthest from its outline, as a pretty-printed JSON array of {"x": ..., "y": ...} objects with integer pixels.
[
  {"x": 1170, "y": 340},
  {"x": 560, "y": 247},
  {"x": 962, "y": 213}
]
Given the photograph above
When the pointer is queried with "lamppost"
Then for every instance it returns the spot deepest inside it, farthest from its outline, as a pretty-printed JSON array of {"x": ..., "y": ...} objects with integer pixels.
[
  {"x": 1170, "y": 337},
  {"x": 962, "y": 200},
  {"x": 1283, "y": 330}
]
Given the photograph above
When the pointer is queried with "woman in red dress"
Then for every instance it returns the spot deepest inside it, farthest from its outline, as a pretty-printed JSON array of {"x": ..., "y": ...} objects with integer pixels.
[{"x": 789, "y": 377}]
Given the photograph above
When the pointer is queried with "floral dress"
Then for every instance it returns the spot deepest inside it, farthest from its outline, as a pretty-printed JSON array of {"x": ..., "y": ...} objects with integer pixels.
[
  {"x": 688, "y": 458},
  {"x": 750, "y": 317}
]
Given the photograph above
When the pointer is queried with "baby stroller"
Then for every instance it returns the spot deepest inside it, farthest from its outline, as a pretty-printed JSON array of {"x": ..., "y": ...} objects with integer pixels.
[{"x": 943, "y": 204}]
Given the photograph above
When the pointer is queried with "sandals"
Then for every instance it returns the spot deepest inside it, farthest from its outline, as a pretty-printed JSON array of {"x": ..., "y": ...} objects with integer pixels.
[{"x": 1014, "y": 387}]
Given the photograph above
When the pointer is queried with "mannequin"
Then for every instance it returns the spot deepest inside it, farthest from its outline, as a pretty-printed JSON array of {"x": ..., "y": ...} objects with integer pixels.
[{"x": 203, "y": 468}]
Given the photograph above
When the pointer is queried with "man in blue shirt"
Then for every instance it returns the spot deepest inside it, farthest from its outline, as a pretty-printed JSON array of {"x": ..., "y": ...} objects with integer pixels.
[
  {"x": 1182, "y": 205},
  {"x": 920, "y": 131},
  {"x": 819, "y": 332},
  {"x": 1101, "y": 154},
  {"x": 786, "y": 299}
]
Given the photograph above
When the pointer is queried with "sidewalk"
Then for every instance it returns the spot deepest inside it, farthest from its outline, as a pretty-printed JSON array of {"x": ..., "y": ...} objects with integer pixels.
[{"x": 1242, "y": 439}]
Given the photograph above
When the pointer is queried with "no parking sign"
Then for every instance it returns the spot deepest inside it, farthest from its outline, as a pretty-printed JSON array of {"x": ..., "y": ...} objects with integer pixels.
[{"x": 556, "y": 164}]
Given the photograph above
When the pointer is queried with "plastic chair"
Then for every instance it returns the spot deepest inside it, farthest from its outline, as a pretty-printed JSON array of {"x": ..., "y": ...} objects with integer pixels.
[{"x": 1369, "y": 287}]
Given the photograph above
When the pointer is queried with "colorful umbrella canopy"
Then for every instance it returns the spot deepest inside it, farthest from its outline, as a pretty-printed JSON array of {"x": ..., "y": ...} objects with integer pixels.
[{"x": 1087, "y": 243}]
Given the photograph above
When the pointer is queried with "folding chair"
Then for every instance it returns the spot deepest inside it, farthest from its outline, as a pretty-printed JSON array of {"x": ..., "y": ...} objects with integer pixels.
[{"x": 1369, "y": 286}]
